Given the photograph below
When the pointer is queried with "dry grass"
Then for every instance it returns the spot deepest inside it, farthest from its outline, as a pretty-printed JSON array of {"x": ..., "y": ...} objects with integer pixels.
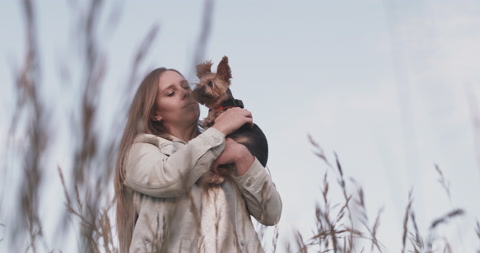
[
  {"x": 88, "y": 198},
  {"x": 88, "y": 194},
  {"x": 340, "y": 235},
  {"x": 477, "y": 230},
  {"x": 31, "y": 113}
]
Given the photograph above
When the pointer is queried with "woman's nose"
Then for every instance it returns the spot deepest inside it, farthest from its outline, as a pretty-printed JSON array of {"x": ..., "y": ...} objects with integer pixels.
[{"x": 186, "y": 93}]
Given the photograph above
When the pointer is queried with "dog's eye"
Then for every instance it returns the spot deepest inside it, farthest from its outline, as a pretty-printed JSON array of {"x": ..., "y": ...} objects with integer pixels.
[{"x": 210, "y": 84}]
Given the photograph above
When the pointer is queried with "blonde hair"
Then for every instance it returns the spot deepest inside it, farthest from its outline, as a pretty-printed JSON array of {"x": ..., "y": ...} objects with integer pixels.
[{"x": 138, "y": 122}]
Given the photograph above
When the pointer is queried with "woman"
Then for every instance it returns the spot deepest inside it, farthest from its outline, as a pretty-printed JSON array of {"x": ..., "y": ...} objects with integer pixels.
[{"x": 161, "y": 204}]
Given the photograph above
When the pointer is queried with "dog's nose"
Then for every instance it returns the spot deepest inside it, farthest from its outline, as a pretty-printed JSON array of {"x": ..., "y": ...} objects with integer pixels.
[{"x": 198, "y": 92}]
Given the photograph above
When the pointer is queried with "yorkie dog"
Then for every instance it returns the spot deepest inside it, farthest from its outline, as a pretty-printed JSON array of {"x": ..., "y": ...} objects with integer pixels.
[{"x": 213, "y": 91}]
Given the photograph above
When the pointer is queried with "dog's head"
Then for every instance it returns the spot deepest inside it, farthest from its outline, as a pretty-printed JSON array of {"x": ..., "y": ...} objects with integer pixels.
[{"x": 212, "y": 88}]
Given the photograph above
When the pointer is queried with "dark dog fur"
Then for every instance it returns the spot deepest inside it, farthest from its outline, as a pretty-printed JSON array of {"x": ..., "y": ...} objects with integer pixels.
[{"x": 213, "y": 90}]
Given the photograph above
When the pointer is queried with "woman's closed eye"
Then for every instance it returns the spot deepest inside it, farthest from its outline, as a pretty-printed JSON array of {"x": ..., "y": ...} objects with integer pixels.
[{"x": 171, "y": 93}]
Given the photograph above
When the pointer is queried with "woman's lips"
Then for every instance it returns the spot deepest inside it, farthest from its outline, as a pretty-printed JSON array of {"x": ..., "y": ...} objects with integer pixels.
[{"x": 189, "y": 104}]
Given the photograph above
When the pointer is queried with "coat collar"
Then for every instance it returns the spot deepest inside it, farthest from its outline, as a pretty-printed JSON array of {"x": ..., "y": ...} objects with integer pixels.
[
  {"x": 166, "y": 146},
  {"x": 151, "y": 139}
]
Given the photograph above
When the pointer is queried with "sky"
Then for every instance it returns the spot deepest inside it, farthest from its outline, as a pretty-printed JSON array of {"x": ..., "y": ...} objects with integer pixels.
[{"x": 391, "y": 87}]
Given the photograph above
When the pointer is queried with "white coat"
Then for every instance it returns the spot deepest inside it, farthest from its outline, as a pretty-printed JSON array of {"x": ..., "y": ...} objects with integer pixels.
[{"x": 170, "y": 206}]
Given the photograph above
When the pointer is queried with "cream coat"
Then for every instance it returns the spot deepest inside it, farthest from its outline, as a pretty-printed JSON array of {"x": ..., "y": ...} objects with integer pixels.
[{"x": 169, "y": 204}]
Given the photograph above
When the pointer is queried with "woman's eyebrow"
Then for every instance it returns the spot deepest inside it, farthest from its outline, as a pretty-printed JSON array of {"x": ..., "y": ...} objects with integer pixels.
[{"x": 168, "y": 87}]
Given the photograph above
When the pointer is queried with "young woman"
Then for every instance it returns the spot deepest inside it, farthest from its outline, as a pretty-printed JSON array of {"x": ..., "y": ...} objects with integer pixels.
[{"x": 162, "y": 206}]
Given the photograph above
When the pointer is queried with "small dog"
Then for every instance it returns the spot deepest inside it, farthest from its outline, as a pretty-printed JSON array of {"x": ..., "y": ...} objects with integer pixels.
[{"x": 213, "y": 91}]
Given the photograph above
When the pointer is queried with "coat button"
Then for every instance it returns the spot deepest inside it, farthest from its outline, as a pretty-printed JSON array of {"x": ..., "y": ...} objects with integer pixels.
[
  {"x": 216, "y": 140},
  {"x": 249, "y": 182}
]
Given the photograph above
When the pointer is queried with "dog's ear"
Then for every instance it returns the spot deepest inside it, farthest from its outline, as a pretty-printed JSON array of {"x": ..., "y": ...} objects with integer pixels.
[
  {"x": 223, "y": 69},
  {"x": 204, "y": 68}
]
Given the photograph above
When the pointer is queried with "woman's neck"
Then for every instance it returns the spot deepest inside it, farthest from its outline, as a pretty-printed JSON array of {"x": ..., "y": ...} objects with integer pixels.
[{"x": 184, "y": 133}]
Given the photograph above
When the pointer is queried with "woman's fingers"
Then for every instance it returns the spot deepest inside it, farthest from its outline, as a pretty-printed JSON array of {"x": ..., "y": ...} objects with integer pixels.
[
  {"x": 249, "y": 117},
  {"x": 247, "y": 113},
  {"x": 232, "y": 119}
]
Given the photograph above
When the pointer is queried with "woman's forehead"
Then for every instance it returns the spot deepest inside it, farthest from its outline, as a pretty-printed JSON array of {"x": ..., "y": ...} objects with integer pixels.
[{"x": 169, "y": 78}]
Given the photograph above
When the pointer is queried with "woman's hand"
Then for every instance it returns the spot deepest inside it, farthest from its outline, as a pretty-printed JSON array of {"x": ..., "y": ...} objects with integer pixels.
[
  {"x": 236, "y": 153},
  {"x": 232, "y": 119}
]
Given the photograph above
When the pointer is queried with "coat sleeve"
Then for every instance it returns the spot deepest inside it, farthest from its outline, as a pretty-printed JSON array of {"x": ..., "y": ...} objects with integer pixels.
[
  {"x": 151, "y": 172},
  {"x": 262, "y": 198}
]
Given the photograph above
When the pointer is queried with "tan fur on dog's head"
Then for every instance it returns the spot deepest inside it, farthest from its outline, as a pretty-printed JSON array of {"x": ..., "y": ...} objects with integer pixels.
[{"x": 212, "y": 88}]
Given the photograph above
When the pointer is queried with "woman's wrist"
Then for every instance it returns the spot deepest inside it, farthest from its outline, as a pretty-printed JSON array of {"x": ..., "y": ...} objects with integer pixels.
[
  {"x": 243, "y": 160},
  {"x": 220, "y": 129}
]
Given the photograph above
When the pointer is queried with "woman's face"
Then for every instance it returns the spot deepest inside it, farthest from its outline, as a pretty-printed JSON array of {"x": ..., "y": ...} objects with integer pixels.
[{"x": 175, "y": 106}]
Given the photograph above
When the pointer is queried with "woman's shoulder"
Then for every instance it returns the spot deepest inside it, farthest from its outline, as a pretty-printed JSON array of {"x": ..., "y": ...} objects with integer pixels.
[
  {"x": 149, "y": 143},
  {"x": 150, "y": 139}
]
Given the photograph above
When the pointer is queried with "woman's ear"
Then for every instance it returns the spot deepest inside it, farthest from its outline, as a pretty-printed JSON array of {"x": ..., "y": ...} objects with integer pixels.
[{"x": 155, "y": 117}]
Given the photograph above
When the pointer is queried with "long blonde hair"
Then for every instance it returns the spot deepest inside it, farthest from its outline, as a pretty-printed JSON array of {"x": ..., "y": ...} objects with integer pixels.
[{"x": 138, "y": 122}]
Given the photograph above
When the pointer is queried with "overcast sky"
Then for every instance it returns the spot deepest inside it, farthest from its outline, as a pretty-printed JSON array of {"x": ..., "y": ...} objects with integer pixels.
[{"x": 390, "y": 86}]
